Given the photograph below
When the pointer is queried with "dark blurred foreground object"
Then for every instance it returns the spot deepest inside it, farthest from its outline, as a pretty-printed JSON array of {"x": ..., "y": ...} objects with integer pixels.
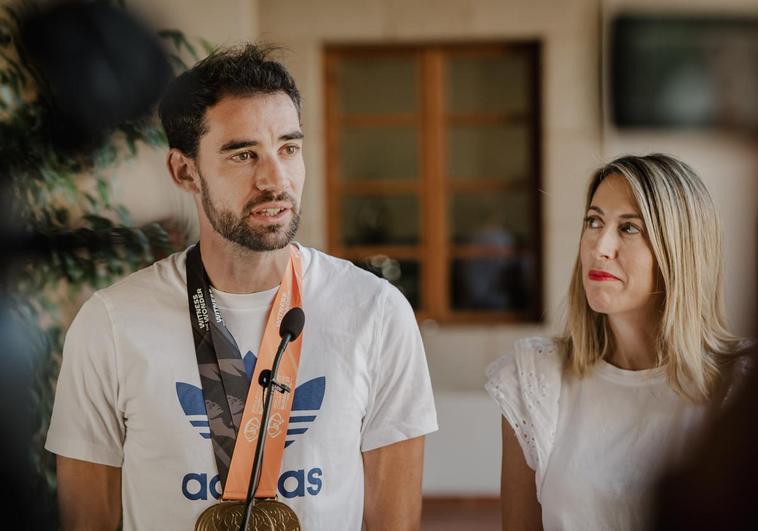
[
  {"x": 24, "y": 498},
  {"x": 102, "y": 67},
  {"x": 717, "y": 486},
  {"x": 70, "y": 74},
  {"x": 679, "y": 71}
]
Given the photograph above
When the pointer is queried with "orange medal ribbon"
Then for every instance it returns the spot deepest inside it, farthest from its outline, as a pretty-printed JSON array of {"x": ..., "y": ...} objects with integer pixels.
[{"x": 237, "y": 482}]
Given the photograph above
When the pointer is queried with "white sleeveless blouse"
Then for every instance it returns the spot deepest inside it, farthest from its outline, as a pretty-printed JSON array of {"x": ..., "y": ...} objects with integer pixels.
[{"x": 596, "y": 444}]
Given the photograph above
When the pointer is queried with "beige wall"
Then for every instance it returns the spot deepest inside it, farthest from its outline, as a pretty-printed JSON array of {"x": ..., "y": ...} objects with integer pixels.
[
  {"x": 143, "y": 183},
  {"x": 219, "y": 21},
  {"x": 577, "y": 135},
  {"x": 572, "y": 135},
  {"x": 577, "y": 138},
  {"x": 727, "y": 162}
]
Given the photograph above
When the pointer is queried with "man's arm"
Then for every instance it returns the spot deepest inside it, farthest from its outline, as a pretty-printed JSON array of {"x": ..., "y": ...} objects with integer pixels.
[
  {"x": 392, "y": 475},
  {"x": 89, "y": 495},
  {"x": 518, "y": 495}
]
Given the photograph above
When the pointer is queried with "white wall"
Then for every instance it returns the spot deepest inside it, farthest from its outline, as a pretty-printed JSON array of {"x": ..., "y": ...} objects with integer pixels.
[{"x": 463, "y": 457}]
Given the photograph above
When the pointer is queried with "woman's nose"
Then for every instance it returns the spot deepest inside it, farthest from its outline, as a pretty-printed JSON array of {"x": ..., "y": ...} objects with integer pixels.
[{"x": 606, "y": 246}]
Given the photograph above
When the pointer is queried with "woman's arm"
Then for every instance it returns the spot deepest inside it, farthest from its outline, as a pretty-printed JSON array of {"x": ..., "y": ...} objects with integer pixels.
[{"x": 518, "y": 495}]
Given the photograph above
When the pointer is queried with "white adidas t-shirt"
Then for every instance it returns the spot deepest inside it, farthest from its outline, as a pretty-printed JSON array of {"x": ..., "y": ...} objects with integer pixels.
[
  {"x": 129, "y": 392},
  {"x": 597, "y": 444}
]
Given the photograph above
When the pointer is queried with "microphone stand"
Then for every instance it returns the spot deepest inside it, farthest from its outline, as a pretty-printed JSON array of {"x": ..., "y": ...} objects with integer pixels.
[{"x": 267, "y": 380}]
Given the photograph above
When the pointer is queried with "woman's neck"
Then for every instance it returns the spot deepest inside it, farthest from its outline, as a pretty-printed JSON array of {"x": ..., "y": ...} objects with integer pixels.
[{"x": 634, "y": 341}]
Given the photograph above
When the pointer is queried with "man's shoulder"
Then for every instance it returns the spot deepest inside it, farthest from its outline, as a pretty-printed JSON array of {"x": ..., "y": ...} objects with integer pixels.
[
  {"x": 326, "y": 270},
  {"x": 165, "y": 274},
  {"x": 338, "y": 283}
]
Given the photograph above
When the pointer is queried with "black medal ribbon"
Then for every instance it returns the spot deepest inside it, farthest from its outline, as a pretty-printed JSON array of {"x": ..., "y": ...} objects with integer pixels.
[{"x": 223, "y": 377}]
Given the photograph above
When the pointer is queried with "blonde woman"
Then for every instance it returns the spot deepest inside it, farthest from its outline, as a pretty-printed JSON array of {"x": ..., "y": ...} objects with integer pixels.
[{"x": 591, "y": 417}]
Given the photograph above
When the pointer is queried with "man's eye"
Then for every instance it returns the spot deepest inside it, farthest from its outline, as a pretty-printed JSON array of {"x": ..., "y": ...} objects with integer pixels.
[
  {"x": 593, "y": 222},
  {"x": 291, "y": 149},
  {"x": 243, "y": 157},
  {"x": 630, "y": 228}
]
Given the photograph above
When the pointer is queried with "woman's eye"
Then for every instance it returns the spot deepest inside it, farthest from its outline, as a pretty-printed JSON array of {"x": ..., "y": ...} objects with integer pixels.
[
  {"x": 593, "y": 222},
  {"x": 629, "y": 228}
]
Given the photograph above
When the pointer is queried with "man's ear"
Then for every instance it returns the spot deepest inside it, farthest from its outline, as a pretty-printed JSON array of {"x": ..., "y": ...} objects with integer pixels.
[{"x": 183, "y": 171}]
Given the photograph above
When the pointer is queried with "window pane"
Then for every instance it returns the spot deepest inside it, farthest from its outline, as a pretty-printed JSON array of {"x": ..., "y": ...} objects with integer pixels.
[
  {"x": 491, "y": 218},
  {"x": 379, "y": 153},
  {"x": 495, "y": 284},
  {"x": 380, "y": 220},
  {"x": 489, "y": 84},
  {"x": 502, "y": 152},
  {"x": 378, "y": 85},
  {"x": 405, "y": 275}
]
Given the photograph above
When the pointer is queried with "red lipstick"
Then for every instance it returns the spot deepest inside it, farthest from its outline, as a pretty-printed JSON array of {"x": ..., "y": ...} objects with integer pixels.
[{"x": 596, "y": 274}]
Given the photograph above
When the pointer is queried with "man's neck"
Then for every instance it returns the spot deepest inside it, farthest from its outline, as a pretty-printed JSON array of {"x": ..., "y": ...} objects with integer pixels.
[{"x": 233, "y": 269}]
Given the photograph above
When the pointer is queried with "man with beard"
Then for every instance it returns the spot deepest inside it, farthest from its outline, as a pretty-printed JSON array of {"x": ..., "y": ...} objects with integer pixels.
[{"x": 154, "y": 393}]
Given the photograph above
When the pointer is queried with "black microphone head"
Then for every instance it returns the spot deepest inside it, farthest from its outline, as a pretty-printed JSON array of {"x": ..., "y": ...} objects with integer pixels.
[{"x": 292, "y": 323}]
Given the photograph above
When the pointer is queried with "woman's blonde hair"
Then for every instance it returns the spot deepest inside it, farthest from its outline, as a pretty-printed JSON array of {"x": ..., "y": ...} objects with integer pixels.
[{"x": 685, "y": 236}]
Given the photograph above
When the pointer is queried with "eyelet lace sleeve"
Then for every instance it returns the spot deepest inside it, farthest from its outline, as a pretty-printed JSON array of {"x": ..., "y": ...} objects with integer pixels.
[{"x": 526, "y": 386}]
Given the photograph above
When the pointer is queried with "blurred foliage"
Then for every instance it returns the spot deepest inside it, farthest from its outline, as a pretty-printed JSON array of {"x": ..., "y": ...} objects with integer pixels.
[{"x": 82, "y": 241}]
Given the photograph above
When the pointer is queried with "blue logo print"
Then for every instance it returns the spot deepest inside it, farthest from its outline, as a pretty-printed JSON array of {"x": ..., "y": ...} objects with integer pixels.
[
  {"x": 291, "y": 484},
  {"x": 191, "y": 399},
  {"x": 306, "y": 404}
]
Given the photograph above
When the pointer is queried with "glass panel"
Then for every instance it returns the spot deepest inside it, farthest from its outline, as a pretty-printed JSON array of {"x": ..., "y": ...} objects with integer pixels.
[
  {"x": 495, "y": 284},
  {"x": 491, "y": 218},
  {"x": 502, "y": 152},
  {"x": 489, "y": 84},
  {"x": 380, "y": 220},
  {"x": 404, "y": 275},
  {"x": 379, "y": 153},
  {"x": 378, "y": 85}
]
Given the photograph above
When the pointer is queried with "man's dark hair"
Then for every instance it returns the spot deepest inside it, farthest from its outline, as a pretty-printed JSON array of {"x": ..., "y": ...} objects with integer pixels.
[{"x": 240, "y": 71}]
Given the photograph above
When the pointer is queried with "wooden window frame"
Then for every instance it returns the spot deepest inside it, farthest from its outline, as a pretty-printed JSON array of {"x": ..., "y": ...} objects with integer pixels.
[{"x": 433, "y": 187}]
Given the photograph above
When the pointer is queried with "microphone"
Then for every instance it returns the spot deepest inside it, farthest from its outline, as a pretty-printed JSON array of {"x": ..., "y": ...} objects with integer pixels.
[
  {"x": 292, "y": 323},
  {"x": 289, "y": 330}
]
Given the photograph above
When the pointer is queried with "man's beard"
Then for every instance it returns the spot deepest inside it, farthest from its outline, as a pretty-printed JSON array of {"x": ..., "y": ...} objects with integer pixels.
[{"x": 237, "y": 229}]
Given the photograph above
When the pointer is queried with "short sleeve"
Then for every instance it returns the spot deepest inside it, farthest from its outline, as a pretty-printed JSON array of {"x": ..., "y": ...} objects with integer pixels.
[
  {"x": 526, "y": 385},
  {"x": 401, "y": 404},
  {"x": 86, "y": 423}
]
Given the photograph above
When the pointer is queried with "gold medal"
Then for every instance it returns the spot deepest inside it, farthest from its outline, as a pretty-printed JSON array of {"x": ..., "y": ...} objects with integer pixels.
[{"x": 267, "y": 515}]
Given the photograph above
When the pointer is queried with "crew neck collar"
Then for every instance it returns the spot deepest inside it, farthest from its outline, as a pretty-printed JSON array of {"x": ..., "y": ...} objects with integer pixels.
[
  {"x": 244, "y": 301},
  {"x": 642, "y": 377}
]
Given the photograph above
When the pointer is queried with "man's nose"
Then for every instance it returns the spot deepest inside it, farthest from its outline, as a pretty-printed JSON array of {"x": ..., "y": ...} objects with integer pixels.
[{"x": 270, "y": 175}]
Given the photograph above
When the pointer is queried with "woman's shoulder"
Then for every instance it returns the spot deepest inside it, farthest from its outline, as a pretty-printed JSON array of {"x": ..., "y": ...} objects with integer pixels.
[
  {"x": 526, "y": 386},
  {"x": 548, "y": 348},
  {"x": 538, "y": 354}
]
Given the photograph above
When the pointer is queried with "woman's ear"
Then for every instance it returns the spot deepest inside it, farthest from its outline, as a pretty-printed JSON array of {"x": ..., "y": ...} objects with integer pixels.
[{"x": 183, "y": 171}]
